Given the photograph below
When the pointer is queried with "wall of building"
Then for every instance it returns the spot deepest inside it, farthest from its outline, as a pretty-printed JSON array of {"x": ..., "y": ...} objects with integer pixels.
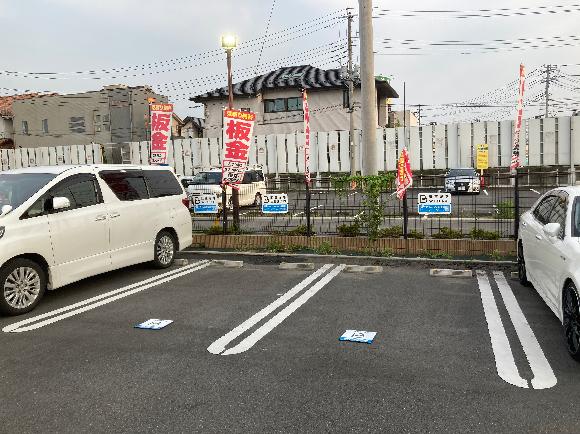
[
  {"x": 326, "y": 106},
  {"x": 112, "y": 115}
]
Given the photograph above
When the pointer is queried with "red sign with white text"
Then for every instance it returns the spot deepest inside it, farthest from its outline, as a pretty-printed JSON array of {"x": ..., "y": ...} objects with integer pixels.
[
  {"x": 306, "y": 136},
  {"x": 237, "y": 138},
  {"x": 160, "y": 132},
  {"x": 404, "y": 174}
]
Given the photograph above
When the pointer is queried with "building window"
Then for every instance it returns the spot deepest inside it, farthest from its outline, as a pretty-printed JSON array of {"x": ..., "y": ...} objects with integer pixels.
[
  {"x": 294, "y": 104},
  {"x": 25, "y": 127},
  {"x": 345, "y": 98},
  {"x": 45, "y": 126},
  {"x": 282, "y": 105},
  {"x": 77, "y": 125}
]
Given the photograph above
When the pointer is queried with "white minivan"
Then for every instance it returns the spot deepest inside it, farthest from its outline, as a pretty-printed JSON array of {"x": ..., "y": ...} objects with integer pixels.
[{"x": 60, "y": 224}]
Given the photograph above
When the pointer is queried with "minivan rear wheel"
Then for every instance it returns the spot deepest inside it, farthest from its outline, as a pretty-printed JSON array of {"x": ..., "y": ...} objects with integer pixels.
[
  {"x": 22, "y": 285},
  {"x": 164, "y": 250}
]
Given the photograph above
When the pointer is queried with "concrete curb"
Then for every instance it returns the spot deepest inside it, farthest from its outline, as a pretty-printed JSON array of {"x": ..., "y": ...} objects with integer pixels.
[
  {"x": 296, "y": 266},
  {"x": 228, "y": 264},
  {"x": 374, "y": 258},
  {"x": 370, "y": 269},
  {"x": 444, "y": 272}
]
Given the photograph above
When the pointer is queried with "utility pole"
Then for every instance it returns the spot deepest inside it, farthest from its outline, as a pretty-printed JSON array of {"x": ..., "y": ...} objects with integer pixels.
[
  {"x": 547, "y": 88},
  {"x": 368, "y": 91},
  {"x": 419, "y": 114},
  {"x": 349, "y": 18}
]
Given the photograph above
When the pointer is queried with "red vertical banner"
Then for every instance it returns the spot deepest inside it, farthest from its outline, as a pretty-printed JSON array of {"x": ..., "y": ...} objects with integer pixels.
[
  {"x": 516, "y": 159},
  {"x": 160, "y": 132},
  {"x": 306, "y": 136},
  {"x": 237, "y": 138},
  {"x": 404, "y": 174}
]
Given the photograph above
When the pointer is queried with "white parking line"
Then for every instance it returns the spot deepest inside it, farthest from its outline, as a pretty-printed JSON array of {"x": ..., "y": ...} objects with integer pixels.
[
  {"x": 249, "y": 342},
  {"x": 100, "y": 300},
  {"x": 544, "y": 377},
  {"x": 486, "y": 193},
  {"x": 219, "y": 345},
  {"x": 535, "y": 191},
  {"x": 504, "y": 358}
]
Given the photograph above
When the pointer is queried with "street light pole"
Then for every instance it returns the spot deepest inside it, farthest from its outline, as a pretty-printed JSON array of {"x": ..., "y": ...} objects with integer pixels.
[{"x": 229, "y": 42}]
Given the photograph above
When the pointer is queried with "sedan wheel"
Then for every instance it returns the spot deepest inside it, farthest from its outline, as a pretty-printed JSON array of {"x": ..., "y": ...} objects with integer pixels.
[
  {"x": 164, "y": 250},
  {"x": 522, "y": 273},
  {"x": 571, "y": 321},
  {"x": 23, "y": 283}
]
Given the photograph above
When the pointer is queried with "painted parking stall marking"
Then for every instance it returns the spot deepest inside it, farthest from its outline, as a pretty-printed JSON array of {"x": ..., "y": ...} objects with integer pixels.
[
  {"x": 53, "y": 316},
  {"x": 507, "y": 370},
  {"x": 318, "y": 278}
]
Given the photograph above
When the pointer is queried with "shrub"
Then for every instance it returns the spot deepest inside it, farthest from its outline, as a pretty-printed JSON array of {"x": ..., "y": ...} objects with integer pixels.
[
  {"x": 275, "y": 246},
  {"x": 480, "y": 234},
  {"x": 293, "y": 248},
  {"x": 506, "y": 209},
  {"x": 416, "y": 235},
  {"x": 326, "y": 248},
  {"x": 446, "y": 233},
  {"x": 346, "y": 230},
  {"x": 301, "y": 230},
  {"x": 392, "y": 232},
  {"x": 437, "y": 255}
]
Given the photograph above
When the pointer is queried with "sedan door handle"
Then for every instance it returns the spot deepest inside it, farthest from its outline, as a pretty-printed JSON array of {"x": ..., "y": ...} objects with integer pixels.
[
  {"x": 114, "y": 215},
  {"x": 538, "y": 237},
  {"x": 524, "y": 224},
  {"x": 100, "y": 218}
]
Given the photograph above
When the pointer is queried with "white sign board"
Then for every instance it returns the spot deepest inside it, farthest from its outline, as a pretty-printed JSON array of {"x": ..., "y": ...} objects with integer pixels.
[
  {"x": 205, "y": 203},
  {"x": 358, "y": 336},
  {"x": 434, "y": 203},
  {"x": 275, "y": 203},
  {"x": 154, "y": 324}
]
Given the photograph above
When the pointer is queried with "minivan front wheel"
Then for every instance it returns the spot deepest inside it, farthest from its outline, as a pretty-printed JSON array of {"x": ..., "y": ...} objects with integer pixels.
[
  {"x": 165, "y": 248},
  {"x": 22, "y": 285}
]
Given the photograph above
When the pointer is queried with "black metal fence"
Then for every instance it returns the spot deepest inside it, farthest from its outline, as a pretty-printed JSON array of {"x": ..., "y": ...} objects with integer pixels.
[{"x": 493, "y": 213}]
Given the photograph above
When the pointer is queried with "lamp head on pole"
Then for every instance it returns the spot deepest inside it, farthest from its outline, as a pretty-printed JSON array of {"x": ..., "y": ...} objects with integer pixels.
[{"x": 229, "y": 41}]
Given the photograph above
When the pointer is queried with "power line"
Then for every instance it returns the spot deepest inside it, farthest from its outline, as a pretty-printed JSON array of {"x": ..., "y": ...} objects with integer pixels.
[
  {"x": 478, "y": 13},
  {"x": 265, "y": 34}
]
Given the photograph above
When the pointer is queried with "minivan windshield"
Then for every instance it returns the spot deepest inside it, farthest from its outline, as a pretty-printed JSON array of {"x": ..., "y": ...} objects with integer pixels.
[
  {"x": 576, "y": 218},
  {"x": 17, "y": 188},
  {"x": 206, "y": 178},
  {"x": 462, "y": 172}
]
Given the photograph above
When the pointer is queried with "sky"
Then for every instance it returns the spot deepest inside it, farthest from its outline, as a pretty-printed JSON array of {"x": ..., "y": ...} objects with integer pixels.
[{"x": 173, "y": 46}]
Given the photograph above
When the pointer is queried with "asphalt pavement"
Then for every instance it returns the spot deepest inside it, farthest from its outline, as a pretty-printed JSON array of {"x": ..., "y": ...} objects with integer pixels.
[{"x": 256, "y": 349}]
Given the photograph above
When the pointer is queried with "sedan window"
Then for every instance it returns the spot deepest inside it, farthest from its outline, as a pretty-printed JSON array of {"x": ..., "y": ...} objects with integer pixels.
[
  {"x": 544, "y": 208},
  {"x": 558, "y": 214}
]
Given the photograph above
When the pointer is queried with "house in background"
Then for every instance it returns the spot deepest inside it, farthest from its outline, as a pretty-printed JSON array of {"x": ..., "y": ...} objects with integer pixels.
[
  {"x": 398, "y": 119},
  {"x": 176, "y": 126},
  {"x": 192, "y": 127},
  {"x": 276, "y": 99},
  {"x": 6, "y": 119},
  {"x": 114, "y": 114}
]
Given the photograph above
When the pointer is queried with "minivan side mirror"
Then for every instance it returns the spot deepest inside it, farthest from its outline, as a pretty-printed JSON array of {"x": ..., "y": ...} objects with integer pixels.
[
  {"x": 5, "y": 210},
  {"x": 60, "y": 203},
  {"x": 552, "y": 229}
]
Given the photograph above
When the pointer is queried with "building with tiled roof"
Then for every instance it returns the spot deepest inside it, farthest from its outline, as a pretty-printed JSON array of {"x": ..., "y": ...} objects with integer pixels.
[{"x": 275, "y": 97}]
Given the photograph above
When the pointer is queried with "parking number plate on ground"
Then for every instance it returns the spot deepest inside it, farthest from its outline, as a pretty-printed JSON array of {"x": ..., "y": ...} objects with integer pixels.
[
  {"x": 205, "y": 203},
  {"x": 434, "y": 203},
  {"x": 275, "y": 203},
  {"x": 154, "y": 324},
  {"x": 358, "y": 336}
]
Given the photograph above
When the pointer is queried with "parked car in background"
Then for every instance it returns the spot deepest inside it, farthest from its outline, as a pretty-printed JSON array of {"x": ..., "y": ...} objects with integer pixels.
[
  {"x": 252, "y": 189},
  {"x": 61, "y": 224},
  {"x": 549, "y": 257},
  {"x": 462, "y": 180}
]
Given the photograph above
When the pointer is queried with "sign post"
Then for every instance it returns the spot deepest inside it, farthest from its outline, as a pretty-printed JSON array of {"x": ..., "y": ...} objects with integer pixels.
[
  {"x": 237, "y": 136},
  {"x": 306, "y": 110},
  {"x": 160, "y": 132},
  {"x": 482, "y": 159}
]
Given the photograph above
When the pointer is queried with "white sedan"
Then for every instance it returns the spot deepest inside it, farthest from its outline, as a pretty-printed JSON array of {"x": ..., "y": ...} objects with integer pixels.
[{"x": 549, "y": 257}]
